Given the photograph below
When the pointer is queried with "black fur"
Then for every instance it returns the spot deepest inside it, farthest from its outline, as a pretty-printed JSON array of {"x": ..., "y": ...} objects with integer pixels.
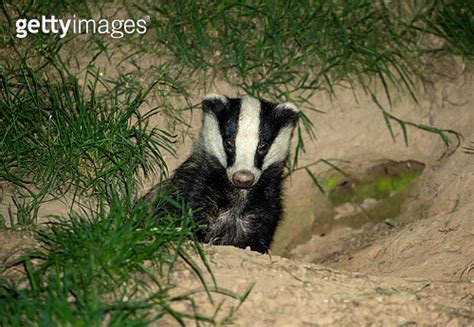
[{"x": 201, "y": 182}]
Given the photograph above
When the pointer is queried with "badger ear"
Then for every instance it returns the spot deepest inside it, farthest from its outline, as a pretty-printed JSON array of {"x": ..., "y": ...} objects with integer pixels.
[
  {"x": 214, "y": 103},
  {"x": 288, "y": 112}
]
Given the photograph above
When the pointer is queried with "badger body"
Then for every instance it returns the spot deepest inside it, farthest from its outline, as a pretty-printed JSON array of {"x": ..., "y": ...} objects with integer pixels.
[{"x": 235, "y": 172}]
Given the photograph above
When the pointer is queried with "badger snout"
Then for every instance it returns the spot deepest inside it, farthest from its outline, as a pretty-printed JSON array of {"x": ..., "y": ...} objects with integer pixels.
[{"x": 243, "y": 179}]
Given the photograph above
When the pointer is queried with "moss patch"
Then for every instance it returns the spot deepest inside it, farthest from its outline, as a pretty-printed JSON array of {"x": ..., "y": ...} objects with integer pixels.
[
  {"x": 385, "y": 184},
  {"x": 341, "y": 190}
]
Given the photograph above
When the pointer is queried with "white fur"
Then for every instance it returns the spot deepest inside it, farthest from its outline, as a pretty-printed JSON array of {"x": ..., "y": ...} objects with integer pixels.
[
  {"x": 211, "y": 138},
  {"x": 232, "y": 216},
  {"x": 215, "y": 96},
  {"x": 288, "y": 105},
  {"x": 246, "y": 141},
  {"x": 281, "y": 145},
  {"x": 279, "y": 148}
]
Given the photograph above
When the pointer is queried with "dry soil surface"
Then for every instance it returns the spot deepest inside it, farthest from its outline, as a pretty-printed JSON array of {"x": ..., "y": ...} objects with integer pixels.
[{"x": 293, "y": 293}]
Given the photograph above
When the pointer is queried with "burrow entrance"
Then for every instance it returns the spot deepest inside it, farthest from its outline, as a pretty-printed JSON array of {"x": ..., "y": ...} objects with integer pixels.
[{"x": 360, "y": 202}]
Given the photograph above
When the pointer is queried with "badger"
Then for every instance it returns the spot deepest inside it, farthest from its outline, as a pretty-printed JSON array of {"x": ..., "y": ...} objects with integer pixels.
[{"x": 235, "y": 172}]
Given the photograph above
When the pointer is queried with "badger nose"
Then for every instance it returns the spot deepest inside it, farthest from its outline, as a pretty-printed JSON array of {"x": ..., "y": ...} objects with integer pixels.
[{"x": 243, "y": 179}]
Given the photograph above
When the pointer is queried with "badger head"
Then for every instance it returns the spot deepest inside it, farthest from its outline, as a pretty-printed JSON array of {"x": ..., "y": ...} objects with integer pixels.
[{"x": 247, "y": 135}]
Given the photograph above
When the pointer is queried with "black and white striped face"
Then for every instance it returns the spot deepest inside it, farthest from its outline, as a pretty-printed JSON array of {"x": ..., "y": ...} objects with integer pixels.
[{"x": 247, "y": 135}]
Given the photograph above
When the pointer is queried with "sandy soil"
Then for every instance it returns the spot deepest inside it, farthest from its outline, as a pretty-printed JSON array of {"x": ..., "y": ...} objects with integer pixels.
[{"x": 293, "y": 293}]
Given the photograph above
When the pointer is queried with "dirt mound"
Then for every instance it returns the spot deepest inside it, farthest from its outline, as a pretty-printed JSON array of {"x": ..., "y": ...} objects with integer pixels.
[
  {"x": 433, "y": 238},
  {"x": 437, "y": 241},
  {"x": 291, "y": 293}
]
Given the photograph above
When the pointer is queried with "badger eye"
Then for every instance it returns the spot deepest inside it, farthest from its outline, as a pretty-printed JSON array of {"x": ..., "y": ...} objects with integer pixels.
[
  {"x": 228, "y": 145},
  {"x": 263, "y": 148}
]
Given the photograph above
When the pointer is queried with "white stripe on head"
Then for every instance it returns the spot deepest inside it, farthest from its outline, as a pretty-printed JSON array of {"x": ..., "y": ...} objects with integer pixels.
[
  {"x": 211, "y": 138},
  {"x": 247, "y": 138},
  {"x": 280, "y": 147}
]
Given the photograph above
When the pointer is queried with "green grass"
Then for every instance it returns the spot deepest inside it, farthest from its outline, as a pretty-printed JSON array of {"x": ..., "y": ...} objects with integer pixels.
[
  {"x": 453, "y": 21},
  {"x": 70, "y": 130},
  {"x": 292, "y": 50},
  {"x": 112, "y": 265},
  {"x": 61, "y": 137},
  {"x": 379, "y": 187}
]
